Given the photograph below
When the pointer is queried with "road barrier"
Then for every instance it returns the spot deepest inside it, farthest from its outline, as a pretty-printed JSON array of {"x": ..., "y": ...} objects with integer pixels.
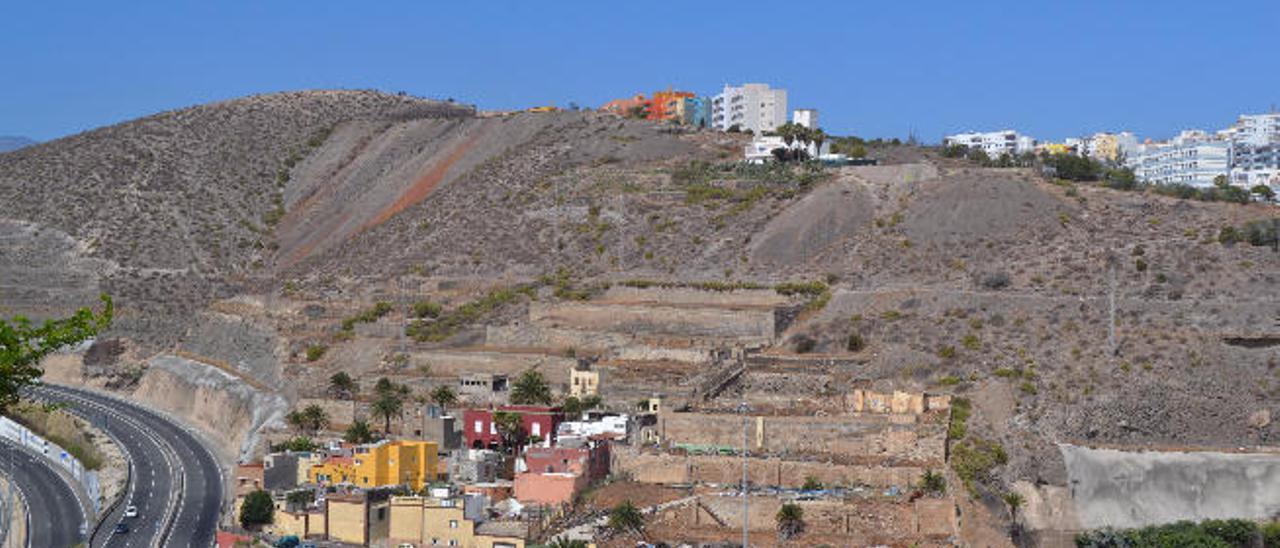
[{"x": 23, "y": 436}]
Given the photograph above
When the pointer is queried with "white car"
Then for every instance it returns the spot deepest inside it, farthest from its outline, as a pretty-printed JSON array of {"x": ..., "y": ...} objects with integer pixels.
[{"x": 131, "y": 512}]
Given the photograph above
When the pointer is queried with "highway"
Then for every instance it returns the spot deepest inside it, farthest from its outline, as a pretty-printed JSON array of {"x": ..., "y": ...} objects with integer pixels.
[
  {"x": 174, "y": 481},
  {"x": 54, "y": 514}
]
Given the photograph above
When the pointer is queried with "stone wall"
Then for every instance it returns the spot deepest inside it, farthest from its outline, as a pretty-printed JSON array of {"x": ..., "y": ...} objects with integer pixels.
[
  {"x": 864, "y": 435},
  {"x": 863, "y": 520},
  {"x": 749, "y": 325},
  {"x": 454, "y": 363},
  {"x": 671, "y": 469},
  {"x": 689, "y": 296},
  {"x": 341, "y": 412}
]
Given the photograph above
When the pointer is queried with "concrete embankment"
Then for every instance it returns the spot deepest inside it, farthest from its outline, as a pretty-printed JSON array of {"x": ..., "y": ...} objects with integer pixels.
[
  {"x": 1133, "y": 489},
  {"x": 229, "y": 410}
]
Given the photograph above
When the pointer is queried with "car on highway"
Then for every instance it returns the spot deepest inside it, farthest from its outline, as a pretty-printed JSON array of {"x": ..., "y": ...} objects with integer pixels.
[
  {"x": 131, "y": 512},
  {"x": 122, "y": 528}
]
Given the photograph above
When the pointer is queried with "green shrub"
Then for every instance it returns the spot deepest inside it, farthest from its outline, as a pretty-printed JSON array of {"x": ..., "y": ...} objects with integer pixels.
[
  {"x": 316, "y": 351},
  {"x": 947, "y": 352},
  {"x": 1006, "y": 372},
  {"x": 971, "y": 342},
  {"x": 855, "y": 343},
  {"x": 958, "y": 425},
  {"x": 973, "y": 459},
  {"x": 427, "y": 309}
]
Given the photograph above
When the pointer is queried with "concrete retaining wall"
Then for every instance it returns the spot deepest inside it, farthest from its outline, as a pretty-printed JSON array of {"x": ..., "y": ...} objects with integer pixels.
[
  {"x": 688, "y": 296},
  {"x": 749, "y": 324},
  {"x": 1133, "y": 489}
]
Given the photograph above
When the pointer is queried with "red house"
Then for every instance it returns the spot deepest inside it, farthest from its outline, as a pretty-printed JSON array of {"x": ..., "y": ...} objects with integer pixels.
[{"x": 480, "y": 432}]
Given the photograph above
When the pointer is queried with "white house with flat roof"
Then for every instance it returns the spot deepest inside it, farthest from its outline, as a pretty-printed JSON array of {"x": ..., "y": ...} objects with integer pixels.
[{"x": 994, "y": 143}]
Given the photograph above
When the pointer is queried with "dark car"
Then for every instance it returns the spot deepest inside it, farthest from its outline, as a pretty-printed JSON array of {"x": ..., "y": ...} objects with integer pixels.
[{"x": 122, "y": 528}]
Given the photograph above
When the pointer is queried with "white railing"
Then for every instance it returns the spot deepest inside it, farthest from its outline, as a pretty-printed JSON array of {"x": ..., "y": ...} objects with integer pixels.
[{"x": 87, "y": 479}]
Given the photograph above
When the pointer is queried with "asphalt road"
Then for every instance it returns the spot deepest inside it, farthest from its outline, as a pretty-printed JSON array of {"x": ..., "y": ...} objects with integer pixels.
[
  {"x": 54, "y": 513},
  {"x": 175, "y": 482}
]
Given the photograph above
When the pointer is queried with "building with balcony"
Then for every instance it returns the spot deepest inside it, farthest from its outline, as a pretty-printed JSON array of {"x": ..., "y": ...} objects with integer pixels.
[
  {"x": 1256, "y": 129},
  {"x": 1253, "y": 165},
  {"x": 1190, "y": 160},
  {"x": 754, "y": 107},
  {"x": 994, "y": 143},
  {"x": 665, "y": 105}
]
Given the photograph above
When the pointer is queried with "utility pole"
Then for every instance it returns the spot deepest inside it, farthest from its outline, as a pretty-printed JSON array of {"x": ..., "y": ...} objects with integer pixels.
[
  {"x": 1111, "y": 302},
  {"x": 746, "y": 499}
]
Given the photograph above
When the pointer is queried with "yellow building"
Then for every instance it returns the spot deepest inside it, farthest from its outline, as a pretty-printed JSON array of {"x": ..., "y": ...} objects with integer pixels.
[
  {"x": 355, "y": 520},
  {"x": 410, "y": 463},
  {"x": 1057, "y": 148},
  {"x": 426, "y": 521},
  {"x": 1106, "y": 147},
  {"x": 583, "y": 382}
]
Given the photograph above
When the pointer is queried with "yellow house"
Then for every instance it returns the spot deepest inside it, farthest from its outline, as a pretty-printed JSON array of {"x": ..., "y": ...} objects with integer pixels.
[
  {"x": 431, "y": 522},
  {"x": 411, "y": 463}
]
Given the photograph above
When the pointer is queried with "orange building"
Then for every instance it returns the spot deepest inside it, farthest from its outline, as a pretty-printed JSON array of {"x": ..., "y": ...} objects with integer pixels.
[
  {"x": 664, "y": 105},
  {"x": 623, "y": 107}
]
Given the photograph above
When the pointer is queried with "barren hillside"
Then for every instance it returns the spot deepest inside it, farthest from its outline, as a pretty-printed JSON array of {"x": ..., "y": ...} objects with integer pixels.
[{"x": 245, "y": 233}]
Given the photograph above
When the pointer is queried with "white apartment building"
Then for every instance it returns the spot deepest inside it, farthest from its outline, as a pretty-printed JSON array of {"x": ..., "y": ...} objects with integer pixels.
[
  {"x": 754, "y": 107},
  {"x": 1253, "y": 165},
  {"x": 806, "y": 117},
  {"x": 1256, "y": 129},
  {"x": 1186, "y": 160},
  {"x": 994, "y": 143}
]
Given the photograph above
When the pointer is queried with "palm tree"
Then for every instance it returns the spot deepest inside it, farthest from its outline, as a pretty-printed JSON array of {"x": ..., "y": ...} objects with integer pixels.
[
  {"x": 790, "y": 520},
  {"x": 444, "y": 396},
  {"x": 818, "y": 137},
  {"x": 1014, "y": 501},
  {"x": 933, "y": 483},
  {"x": 384, "y": 386},
  {"x": 358, "y": 432},
  {"x": 510, "y": 427},
  {"x": 626, "y": 518},
  {"x": 788, "y": 133},
  {"x": 386, "y": 406},
  {"x": 341, "y": 385},
  {"x": 296, "y": 420},
  {"x": 314, "y": 418},
  {"x": 531, "y": 389}
]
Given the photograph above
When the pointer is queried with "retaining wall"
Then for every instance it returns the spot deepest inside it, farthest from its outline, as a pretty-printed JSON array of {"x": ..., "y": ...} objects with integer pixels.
[
  {"x": 671, "y": 469},
  {"x": 853, "y": 435},
  {"x": 752, "y": 325}
]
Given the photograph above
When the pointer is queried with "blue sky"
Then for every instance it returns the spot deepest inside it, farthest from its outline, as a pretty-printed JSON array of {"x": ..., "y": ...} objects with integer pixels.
[{"x": 1051, "y": 69}]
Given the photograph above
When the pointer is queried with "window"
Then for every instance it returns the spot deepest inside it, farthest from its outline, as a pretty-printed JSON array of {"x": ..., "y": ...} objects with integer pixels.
[
  {"x": 479, "y": 427},
  {"x": 453, "y": 524},
  {"x": 453, "y": 542}
]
